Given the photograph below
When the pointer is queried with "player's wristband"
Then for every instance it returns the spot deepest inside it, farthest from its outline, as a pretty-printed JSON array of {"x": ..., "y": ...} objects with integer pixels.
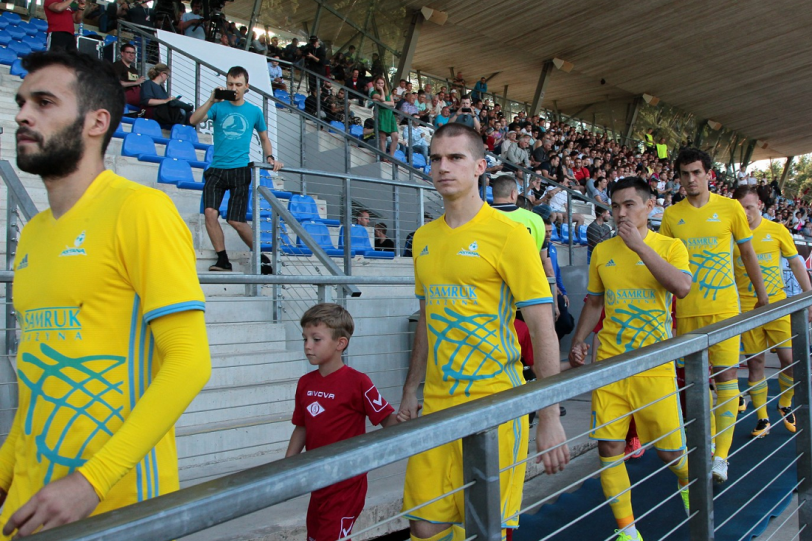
[{"x": 270, "y": 156}]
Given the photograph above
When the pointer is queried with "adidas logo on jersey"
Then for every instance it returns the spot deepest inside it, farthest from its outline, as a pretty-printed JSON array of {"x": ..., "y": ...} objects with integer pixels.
[
  {"x": 77, "y": 247},
  {"x": 315, "y": 409},
  {"x": 424, "y": 251},
  {"x": 611, "y": 263},
  {"x": 24, "y": 263},
  {"x": 681, "y": 222},
  {"x": 639, "y": 263}
]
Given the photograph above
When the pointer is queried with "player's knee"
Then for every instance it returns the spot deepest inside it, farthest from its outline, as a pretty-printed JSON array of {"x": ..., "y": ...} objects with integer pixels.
[
  {"x": 608, "y": 449},
  {"x": 669, "y": 457}
]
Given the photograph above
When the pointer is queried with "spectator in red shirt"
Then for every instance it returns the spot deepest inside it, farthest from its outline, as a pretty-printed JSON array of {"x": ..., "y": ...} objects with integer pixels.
[
  {"x": 580, "y": 172},
  {"x": 61, "y": 18}
]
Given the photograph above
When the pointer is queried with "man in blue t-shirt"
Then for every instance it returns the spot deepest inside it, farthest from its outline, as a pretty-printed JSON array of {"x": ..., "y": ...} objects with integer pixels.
[{"x": 234, "y": 125}]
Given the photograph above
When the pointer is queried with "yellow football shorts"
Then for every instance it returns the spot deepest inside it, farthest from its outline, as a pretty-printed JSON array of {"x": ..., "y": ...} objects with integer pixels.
[
  {"x": 438, "y": 471},
  {"x": 768, "y": 335},
  {"x": 653, "y": 422},
  {"x": 723, "y": 354}
]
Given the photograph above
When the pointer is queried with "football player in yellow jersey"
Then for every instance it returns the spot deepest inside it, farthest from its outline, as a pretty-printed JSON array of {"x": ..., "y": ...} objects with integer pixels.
[
  {"x": 633, "y": 276},
  {"x": 473, "y": 268},
  {"x": 771, "y": 242},
  {"x": 113, "y": 342},
  {"x": 708, "y": 225}
]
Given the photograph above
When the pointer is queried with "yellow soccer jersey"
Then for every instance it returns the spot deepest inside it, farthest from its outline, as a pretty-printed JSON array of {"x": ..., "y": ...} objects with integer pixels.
[
  {"x": 472, "y": 279},
  {"x": 770, "y": 242},
  {"x": 86, "y": 286},
  {"x": 638, "y": 307},
  {"x": 708, "y": 233}
]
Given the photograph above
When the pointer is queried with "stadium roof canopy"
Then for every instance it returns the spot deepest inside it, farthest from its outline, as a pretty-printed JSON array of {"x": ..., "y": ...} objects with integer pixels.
[{"x": 746, "y": 64}]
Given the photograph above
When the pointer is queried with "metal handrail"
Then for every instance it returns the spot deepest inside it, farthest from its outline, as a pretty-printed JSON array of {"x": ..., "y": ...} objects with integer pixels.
[
  {"x": 202, "y": 506},
  {"x": 17, "y": 190}
]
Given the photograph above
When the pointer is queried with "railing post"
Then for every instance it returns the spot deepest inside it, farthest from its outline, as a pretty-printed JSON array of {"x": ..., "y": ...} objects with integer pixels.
[
  {"x": 323, "y": 295},
  {"x": 347, "y": 230},
  {"x": 197, "y": 86},
  {"x": 277, "y": 249},
  {"x": 697, "y": 435},
  {"x": 480, "y": 464},
  {"x": 803, "y": 396},
  {"x": 421, "y": 208},
  {"x": 169, "y": 65},
  {"x": 569, "y": 223},
  {"x": 256, "y": 249},
  {"x": 318, "y": 98},
  {"x": 396, "y": 216},
  {"x": 8, "y": 392}
]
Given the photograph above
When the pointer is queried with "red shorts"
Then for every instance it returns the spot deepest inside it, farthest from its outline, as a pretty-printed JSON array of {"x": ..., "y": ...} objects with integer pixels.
[{"x": 333, "y": 511}]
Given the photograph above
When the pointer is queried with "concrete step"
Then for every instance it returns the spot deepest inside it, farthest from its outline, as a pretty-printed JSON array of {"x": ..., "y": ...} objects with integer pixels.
[
  {"x": 256, "y": 368},
  {"x": 225, "y": 404},
  {"x": 244, "y": 332},
  {"x": 236, "y": 309}
]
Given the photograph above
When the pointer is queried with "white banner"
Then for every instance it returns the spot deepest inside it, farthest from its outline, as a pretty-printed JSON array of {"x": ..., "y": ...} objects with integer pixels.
[{"x": 221, "y": 57}]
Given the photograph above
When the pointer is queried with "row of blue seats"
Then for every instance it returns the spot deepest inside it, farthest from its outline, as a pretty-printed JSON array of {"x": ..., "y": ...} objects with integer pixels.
[
  {"x": 146, "y": 126},
  {"x": 579, "y": 235}
]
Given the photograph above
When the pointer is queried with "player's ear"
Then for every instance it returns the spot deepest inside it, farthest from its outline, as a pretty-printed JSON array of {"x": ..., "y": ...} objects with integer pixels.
[{"x": 343, "y": 342}]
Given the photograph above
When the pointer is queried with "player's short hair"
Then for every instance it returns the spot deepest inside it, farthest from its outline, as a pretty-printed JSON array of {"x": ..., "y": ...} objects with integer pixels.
[
  {"x": 502, "y": 185},
  {"x": 523, "y": 203},
  {"x": 743, "y": 191},
  {"x": 641, "y": 186},
  {"x": 97, "y": 85},
  {"x": 691, "y": 155},
  {"x": 236, "y": 71},
  {"x": 334, "y": 317},
  {"x": 455, "y": 129}
]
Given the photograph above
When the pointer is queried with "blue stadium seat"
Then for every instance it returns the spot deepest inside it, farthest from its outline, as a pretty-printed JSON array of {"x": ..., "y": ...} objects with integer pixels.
[
  {"x": 357, "y": 131},
  {"x": 145, "y": 126},
  {"x": 11, "y": 17},
  {"x": 554, "y": 237},
  {"x": 299, "y": 98},
  {"x": 360, "y": 245},
  {"x": 120, "y": 133},
  {"x": 183, "y": 150},
  {"x": 108, "y": 39},
  {"x": 20, "y": 48},
  {"x": 188, "y": 185},
  {"x": 5, "y": 38},
  {"x": 4, "y": 24},
  {"x": 489, "y": 195},
  {"x": 338, "y": 125},
  {"x": 28, "y": 28},
  {"x": 7, "y": 56},
  {"x": 15, "y": 32},
  {"x": 266, "y": 241},
  {"x": 565, "y": 233},
  {"x": 209, "y": 154},
  {"x": 303, "y": 208},
  {"x": 582, "y": 236},
  {"x": 40, "y": 24},
  {"x": 173, "y": 171},
  {"x": 283, "y": 96},
  {"x": 17, "y": 69},
  {"x": 136, "y": 145},
  {"x": 418, "y": 160},
  {"x": 400, "y": 155},
  {"x": 86, "y": 32},
  {"x": 36, "y": 44},
  {"x": 321, "y": 235},
  {"x": 301, "y": 105},
  {"x": 281, "y": 194},
  {"x": 188, "y": 133}
]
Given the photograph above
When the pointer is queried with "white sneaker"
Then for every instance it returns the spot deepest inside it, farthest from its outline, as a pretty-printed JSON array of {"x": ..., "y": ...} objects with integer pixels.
[{"x": 719, "y": 470}]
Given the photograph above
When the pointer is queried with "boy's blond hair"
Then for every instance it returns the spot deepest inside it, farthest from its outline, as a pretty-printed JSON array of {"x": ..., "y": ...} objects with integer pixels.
[{"x": 333, "y": 316}]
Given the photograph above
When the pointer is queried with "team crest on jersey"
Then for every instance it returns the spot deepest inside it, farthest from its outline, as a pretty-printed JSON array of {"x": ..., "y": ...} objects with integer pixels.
[
  {"x": 767, "y": 238},
  {"x": 714, "y": 218},
  {"x": 611, "y": 263},
  {"x": 24, "y": 263},
  {"x": 77, "y": 247},
  {"x": 315, "y": 409},
  {"x": 424, "y": 251},
  {"x": 471, "y": 251},
  {"x": 681, "y": 222}
]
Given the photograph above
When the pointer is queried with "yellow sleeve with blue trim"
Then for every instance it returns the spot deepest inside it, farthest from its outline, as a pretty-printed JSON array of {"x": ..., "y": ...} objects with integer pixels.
[
  {"x": 739, "y": 226},
  {"x": 520, "y": 267},
  {"x": 679, "y": 258},
  {"x": 788, "y": 248},
  {"x": 181, "y": 339}
]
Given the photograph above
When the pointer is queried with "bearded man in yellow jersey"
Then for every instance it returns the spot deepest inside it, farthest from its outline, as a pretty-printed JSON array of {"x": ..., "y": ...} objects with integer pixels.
[
  {"x": 708, "y": 225},
  {"x": 771, "y": 241},
  {"x": 113, "y": 342},
  {"x": 633, "y": 277},
  {"x": 473, "y": 267}
]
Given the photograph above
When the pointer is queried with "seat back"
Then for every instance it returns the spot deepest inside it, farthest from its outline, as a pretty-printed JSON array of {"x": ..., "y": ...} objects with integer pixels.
[
  {"x": 136, "y": 144},
  {"x": 184, "y": 133},
  {"x": 145, "y": 126},
  {"x": 418, "y": 160},
  {"x": 554, "y": 235},
  {"x": 7, "y": 56},
  {"x": 174, "y": 171},
  {"x": 400, "y": 155},
  {"x": 20, "y": 48},
  {"x": 320, "y": 234},
  {"x": 181, "y": 150},
  {"x": 565, "y": 232},
  {"x": 303, "y": 207},
  {"x": 337, "y": 125},
  {"x": 209, "y": 154},
  {"x": 17, "y": 68},
  {"x": 11, "y": 17}
]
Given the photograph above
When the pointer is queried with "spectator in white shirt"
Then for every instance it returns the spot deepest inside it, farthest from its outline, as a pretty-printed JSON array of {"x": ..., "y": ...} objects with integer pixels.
[{"x": 275, "y": 73}]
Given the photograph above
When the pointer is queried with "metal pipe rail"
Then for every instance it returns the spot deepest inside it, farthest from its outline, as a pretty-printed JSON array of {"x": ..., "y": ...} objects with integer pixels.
[{"x": 196, "y": 508}]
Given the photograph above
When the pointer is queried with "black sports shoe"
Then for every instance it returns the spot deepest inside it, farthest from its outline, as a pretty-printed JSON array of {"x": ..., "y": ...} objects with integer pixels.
[
  {"x": 221, "y": 266},
  {"x": 789, "y": 418},
  {"x": 761, "y": 429},
  {"x": 265, "y": 265}
]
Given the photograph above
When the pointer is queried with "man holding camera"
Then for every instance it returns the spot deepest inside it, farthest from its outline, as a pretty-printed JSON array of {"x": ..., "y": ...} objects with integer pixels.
[
  {"x": 234, "y": 123},
  {"x": 192, "y": 24},
  {"x": 315, "y": 60},
  {"x": 465, "y": 115}
]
